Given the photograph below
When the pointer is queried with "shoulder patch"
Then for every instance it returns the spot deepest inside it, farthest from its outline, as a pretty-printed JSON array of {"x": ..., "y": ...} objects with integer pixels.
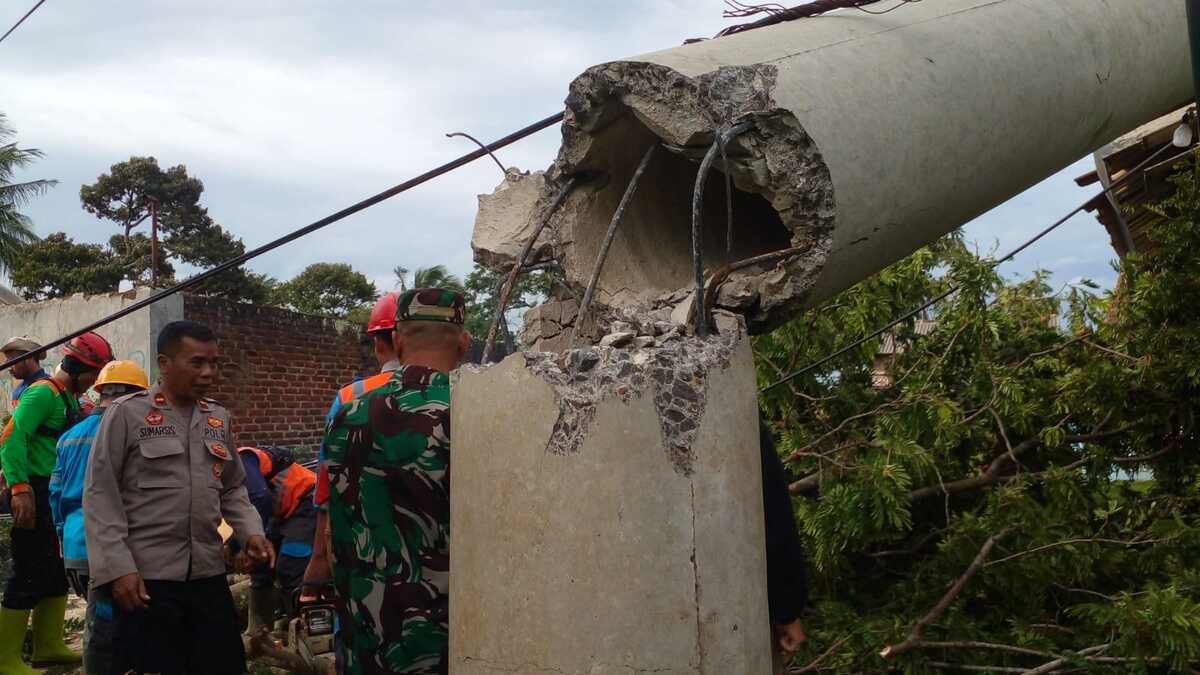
[{"x": 126, "y": 397}]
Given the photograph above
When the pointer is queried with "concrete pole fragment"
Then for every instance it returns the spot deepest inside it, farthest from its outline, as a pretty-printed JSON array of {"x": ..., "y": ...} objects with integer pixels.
[
  {"x": 607, "y": 514},
  {"x": 873, "y": 136}
]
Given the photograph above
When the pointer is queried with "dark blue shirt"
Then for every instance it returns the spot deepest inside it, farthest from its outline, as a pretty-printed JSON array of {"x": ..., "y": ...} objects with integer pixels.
[{"x": 20, "y": 388}]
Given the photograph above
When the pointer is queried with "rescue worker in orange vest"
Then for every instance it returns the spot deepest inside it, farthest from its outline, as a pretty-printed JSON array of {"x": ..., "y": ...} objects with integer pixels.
[
  {"x": 380, "y": 327},
  {"x": 282, "y": 492}
]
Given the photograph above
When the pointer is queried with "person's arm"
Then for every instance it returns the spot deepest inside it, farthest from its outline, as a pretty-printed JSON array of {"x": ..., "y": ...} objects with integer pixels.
[
  {"x": 104, "y": 510},
  {"x": 320, "y": 564},
  {"x": 321, "y": 493},
  {"x": 256, "y": 487},
  {"x": 236, "y": 508},
  {"x": 56, "y": 493},
  {"x": 787, "y": 566}
]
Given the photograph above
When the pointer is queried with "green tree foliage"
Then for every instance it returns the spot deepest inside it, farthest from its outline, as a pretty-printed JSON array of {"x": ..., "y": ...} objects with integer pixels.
[
  {"x": 56, "y": 267},
  {"x": 16, "y": 231},
  {"x": 483, "y": 288},
  {"x": 188, "y": 234},
  {"x": 1025, "y": 487},
  {"x": 328, "y": 289},
  {"x": 436, "y": 276}
]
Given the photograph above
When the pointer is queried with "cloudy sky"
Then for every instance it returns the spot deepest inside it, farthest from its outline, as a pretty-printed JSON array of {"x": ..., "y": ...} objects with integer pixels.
[{"x": 292, "y": 110}]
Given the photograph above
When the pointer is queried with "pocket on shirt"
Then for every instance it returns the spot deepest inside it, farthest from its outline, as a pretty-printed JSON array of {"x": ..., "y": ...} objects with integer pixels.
[{"x": 161, "y": 467}]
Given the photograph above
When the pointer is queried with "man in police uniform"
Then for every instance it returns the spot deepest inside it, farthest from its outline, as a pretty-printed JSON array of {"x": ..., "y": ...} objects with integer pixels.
[
  {"x": 160, "y": 478},
  {"x": 388, "y": 455}
]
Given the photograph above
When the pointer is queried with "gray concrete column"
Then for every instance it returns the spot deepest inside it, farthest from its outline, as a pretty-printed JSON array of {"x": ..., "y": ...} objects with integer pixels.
[{"x": 606, "y": 514}]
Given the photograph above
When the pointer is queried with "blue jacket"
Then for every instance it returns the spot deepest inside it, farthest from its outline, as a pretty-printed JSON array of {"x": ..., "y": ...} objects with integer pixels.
[{"x": 66, "y": 488}]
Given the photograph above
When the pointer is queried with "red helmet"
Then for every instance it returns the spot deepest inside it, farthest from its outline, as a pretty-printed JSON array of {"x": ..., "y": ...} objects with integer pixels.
[
  {"x": 383, "y": 314},
  {"x": 90, "y": 349}
]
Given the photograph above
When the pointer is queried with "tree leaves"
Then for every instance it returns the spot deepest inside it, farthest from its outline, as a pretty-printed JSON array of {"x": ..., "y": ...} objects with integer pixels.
[{"x": 1024, "y": 408}]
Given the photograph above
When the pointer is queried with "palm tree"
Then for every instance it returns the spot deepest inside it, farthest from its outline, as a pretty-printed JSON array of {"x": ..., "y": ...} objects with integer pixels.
[
  {"x": 436, "y": 276},
  {"x": 16, "y": 230}
]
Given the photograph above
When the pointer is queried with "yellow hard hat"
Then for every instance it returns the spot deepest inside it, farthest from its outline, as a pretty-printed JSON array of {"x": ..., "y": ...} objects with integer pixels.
[{"x": 122, "y": 372}]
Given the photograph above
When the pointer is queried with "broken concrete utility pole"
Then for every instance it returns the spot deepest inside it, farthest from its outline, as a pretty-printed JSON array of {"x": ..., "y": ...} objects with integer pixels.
[{"x": 607, "y": 515}]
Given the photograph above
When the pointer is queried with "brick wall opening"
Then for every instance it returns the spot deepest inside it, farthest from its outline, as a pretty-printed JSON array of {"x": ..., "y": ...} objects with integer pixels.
[{"x": 280, "y": 369}]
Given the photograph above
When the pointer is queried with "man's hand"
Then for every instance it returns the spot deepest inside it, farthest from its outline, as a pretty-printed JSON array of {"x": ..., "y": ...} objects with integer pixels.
[
  {"x": 790, "y": 636},
  {"x": 242, "y": 564},
  {"x": 24, "y": 511},
  {"x": 129, "y": 592},
  {"x": 261, "y": 551},
  {"x": 318, "y": 573}
]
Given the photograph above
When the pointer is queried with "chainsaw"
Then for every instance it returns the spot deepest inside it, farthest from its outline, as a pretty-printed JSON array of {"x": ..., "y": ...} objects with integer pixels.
[{"x": 311, "y": 629}]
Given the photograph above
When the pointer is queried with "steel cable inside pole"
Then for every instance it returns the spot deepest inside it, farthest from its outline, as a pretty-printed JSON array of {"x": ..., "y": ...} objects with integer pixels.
[
  {"x": 306, "y": 230},
  {"x": 1135, "y": 171}
]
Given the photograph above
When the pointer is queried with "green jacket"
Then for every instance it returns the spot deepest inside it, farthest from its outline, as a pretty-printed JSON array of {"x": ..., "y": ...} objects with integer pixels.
[{"x": 29, "y": 452}]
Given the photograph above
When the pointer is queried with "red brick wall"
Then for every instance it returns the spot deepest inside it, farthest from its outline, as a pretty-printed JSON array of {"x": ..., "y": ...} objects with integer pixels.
[{"x": 279, "y": 369}]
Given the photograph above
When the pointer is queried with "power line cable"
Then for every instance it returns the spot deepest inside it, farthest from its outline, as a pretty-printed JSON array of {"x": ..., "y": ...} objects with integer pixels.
[
  {"x": 1135, "y": 171},
  {"x": 296, "y": 234},
  {"x": 27, "y": 14}
]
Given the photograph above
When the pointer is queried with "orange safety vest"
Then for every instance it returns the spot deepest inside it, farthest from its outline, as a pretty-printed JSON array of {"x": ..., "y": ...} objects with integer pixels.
[
  {"x": 288, "y": 487},
  {"x": 359, "y": 387}
]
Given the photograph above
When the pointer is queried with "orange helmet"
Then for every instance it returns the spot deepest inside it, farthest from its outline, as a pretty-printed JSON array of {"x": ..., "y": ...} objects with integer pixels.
[
  {"x": 383, "y": 314},
  {"x": 90, "y": 349}
]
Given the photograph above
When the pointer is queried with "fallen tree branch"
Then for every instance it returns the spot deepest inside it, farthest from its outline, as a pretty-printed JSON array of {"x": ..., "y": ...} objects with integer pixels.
[
  {"x": 815, "y": 663},
  {"x": 991, "y": 646},
  {"x": 942, "y": 665},
  {"x": 918, "y": 630},
  {"x": 1066, "y": 542},
  {"x": 1051, "y": 666}
]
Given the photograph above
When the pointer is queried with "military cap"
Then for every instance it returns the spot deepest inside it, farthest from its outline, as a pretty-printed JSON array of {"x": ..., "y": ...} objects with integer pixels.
[{"x": 431, "y": 304}]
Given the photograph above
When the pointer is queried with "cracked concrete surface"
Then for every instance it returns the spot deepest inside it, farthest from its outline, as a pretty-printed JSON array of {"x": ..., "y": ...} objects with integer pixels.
[
  {"x": 675, "y": 376},
  {"x": 592, "y": 546}
]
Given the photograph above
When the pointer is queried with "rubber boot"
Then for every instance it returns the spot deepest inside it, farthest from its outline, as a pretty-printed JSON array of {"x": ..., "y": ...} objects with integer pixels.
[
  {"x": 262, "y": 609},
  {"x": 12, "y": 639},
  {"x": 48, "y": 645}
]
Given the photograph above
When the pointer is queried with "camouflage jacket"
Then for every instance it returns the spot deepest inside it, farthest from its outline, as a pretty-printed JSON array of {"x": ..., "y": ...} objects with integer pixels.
[{"x": 388, "y": 455}]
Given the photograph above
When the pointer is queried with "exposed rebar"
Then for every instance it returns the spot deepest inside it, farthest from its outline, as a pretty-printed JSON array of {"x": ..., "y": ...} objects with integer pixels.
[
  {"x": 719, "y": 141},
  {"x": 511, "y": 282},
  {"x": 481, "y": 146},
  {"x": 630, "y": 189}
]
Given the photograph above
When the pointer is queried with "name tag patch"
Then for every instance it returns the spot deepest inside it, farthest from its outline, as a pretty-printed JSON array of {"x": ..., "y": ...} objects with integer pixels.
[{"x": 156, "y": 431}]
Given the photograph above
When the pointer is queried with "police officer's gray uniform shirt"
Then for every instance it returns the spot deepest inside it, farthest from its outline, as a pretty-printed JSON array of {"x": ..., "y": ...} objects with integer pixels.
[{"x": 158, "y": 484}]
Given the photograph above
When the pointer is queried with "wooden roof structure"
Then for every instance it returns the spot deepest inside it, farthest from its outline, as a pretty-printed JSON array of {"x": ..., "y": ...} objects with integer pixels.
[{"x": 1119, "y": 211}]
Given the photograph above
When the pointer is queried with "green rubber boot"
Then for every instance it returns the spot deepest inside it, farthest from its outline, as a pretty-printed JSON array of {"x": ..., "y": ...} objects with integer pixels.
[
  {"x": 48, "y": 645},
  {"x": 12, "y": 639}
]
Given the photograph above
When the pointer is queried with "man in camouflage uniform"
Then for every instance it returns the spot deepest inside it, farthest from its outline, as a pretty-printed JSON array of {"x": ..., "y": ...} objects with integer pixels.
[{"x": 388, "y": 455}]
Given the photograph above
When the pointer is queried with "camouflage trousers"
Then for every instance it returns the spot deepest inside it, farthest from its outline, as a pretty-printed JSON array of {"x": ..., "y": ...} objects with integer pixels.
[{"x": 380, "y": 633}]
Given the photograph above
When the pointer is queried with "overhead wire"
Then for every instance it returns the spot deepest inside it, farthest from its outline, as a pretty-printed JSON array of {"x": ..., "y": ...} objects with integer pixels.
[
  {"x": 1135, "y": 171},
  {"x": 21, "y": 21},
  {"x": 296, "y": 234}
]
